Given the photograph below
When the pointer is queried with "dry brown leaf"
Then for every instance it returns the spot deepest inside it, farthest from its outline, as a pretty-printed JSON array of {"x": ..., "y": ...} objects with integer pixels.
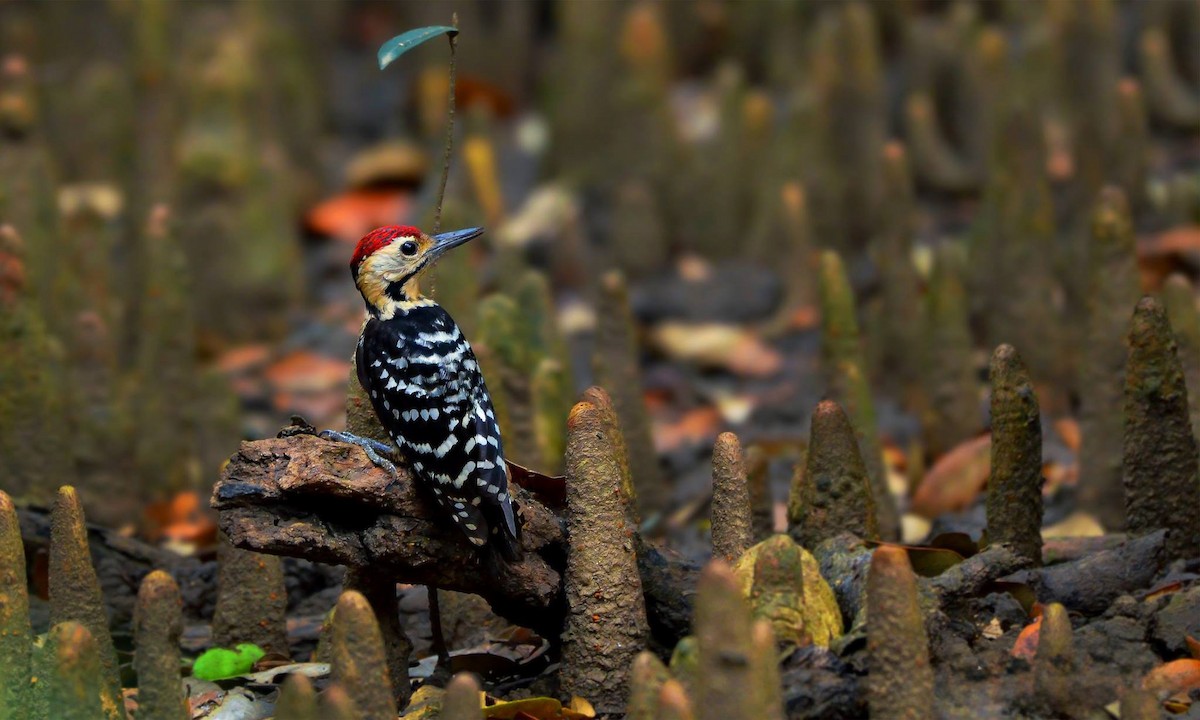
[
  {"x": 956, "y": 479},
  {"x": 1077, "y": 524},
  {"x": 1193, "y": 646},
  {"x": 993, "y": 630},
  {"x": 1164, "y": 590},
  {"x": 714, "y": 345},
  {"x": 394, "y": 163}
]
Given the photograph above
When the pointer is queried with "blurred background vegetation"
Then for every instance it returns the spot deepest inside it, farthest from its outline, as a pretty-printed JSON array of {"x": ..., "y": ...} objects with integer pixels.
[{"x": 181, "y": 185}]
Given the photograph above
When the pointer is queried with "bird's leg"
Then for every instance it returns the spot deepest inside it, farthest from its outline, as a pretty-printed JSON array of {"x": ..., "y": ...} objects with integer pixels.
[
  {"x": 374, "y": 449},
  {"x": 438, "y": 639}
]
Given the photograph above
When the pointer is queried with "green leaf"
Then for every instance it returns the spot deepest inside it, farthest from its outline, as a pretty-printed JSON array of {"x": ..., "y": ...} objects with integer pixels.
[
  {"x": 404, "y": 42},
  {"x": 220, "y": 663}
]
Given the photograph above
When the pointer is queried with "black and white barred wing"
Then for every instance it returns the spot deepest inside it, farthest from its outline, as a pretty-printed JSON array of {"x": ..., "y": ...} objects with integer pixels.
[{"x": 434, "y": 403}]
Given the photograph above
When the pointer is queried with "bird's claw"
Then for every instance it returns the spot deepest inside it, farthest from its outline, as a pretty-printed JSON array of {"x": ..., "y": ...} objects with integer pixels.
[{"x": 374, "y": 449}]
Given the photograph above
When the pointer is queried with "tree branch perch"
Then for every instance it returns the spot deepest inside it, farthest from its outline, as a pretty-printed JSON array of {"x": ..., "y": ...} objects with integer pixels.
[{"x": 304, "y": 496}]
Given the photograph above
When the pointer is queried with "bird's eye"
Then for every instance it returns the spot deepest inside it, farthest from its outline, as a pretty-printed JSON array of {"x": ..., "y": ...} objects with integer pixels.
[{"x": 409, "y": 248}]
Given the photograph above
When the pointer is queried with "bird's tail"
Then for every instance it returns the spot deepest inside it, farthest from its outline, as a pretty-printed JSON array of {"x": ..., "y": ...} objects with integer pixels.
[{"x": 506, "y": 542}]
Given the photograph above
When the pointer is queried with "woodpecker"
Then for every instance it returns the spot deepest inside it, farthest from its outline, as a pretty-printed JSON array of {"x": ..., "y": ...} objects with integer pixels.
[{"x": 426, "y": 387}]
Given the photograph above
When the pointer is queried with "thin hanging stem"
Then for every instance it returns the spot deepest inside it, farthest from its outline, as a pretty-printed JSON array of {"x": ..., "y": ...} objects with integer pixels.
[{"x": 441, "y": 196}]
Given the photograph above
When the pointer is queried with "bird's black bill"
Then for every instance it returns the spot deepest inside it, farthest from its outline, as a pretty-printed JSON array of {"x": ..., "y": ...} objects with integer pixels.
[{"x": 444, "y": 241}]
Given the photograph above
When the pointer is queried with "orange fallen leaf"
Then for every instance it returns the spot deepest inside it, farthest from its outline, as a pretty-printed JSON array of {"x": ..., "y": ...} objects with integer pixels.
[
  {"x": 1165, "y": 253},
  {"x": 243, "y": 357},
  {"x": 956, "y": 479},
  {"x": 305, "y": 371},
  {"x": 1069, "y": 432},
  {"x": 1027, "y": 642},
  {"x": 696, "y": 426},
  {"x": 1173, "y": 678},
  {"x": 805, "y": 317},
  {"x": 353, "y": 214},
  {"x": 1178, "y": 239},
  {"x": 181, "y": 518}
]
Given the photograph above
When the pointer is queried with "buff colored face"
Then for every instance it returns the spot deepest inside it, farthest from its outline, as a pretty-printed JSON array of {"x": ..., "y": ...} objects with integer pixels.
[
  {"x": 389, "y": 261},
  {"x": 398, "y": 262}
]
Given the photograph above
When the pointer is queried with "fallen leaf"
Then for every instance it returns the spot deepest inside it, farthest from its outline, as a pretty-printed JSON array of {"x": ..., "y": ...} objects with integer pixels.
[
  {"x": 304, "y": 371},
  {"x": 1058, "y": 475},
  {"x": 695, "y": 427},
  {"x": 471, "y": 91},
  {"x": 1181, "y": 239},
  {"x": 181, "y": 520},
  {"x": 1172, "y": 250},
  {"x": 805, "y": 317},
  {"x": 581, "y": 707},
  {"x": 694, "y": 268},
  {"x": 926, "y": 561},
  {"x": 426, "y": 704},
  {"x": 1027, "y": 642},
  {"x": 1020, "y": 592},
  {"x": 913, "y": 528},
  {"x": 240, "y": 704},
  {"x": 349, "y": 216},
  {"x": 274, "y": 675},
  {"x": 956, "y": 479},
  {"x": 1173, "y": 678},
  {"x": 958, "y": 542},
  {"x": 1069, "y": 432},
  {"x": 550, "y": 489},
  {"x": 1177, "y": 705},
  {"x": 243, "y": 358},
  {"x": 538, "y": 708},
  {"x": 769, "y": 575},
  {"x": 204, "y": 704},
  {"x": 1164, "y": 590},
  {"x": 1077, "y": 524},
  {"x": 549, "y": 211},
  {"x": 1193, "y": 646},
  {"x": 716, "y": 345},
  {"x": 1060, "y": 163},
  {"x": 106, "y": 201},
  {"x": 392, "y": 165},
  {"x": 735, "y": 408},
  {"x": 992, "y": 630}
]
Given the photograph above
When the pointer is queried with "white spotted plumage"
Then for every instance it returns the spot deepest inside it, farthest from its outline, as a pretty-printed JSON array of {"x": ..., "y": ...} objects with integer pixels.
[{"x": 428, "y": 392}]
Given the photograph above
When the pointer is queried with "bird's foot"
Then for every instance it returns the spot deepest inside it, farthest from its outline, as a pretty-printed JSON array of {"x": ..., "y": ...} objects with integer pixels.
[{"x": 374, "y": 449}]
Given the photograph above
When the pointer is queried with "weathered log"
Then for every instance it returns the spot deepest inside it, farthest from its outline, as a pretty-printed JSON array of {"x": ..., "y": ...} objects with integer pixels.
[
  {"x": 325, "y": 501},
  {"x": 1090, "y": 584}
]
